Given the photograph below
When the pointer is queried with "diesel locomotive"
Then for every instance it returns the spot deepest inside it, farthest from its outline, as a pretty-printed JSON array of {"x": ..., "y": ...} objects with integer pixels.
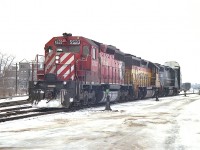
[{"x": 76, "y": 71}]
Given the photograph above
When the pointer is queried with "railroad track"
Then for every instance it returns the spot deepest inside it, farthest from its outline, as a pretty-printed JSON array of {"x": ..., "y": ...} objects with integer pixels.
[
  {"x": 22, "y": 110},
  {"x": 9, "y": 114},
  {"x": 12, "y": 96},
  {"x": 26, "y": 112},
  {"x": 14, "y": 103},
  {"x": 21, "y": 114},
  {"x": 15, "y": 108}
]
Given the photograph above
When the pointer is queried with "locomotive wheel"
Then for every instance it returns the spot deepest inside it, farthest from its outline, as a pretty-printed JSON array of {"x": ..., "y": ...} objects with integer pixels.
[{"x": 93, "y": 100}]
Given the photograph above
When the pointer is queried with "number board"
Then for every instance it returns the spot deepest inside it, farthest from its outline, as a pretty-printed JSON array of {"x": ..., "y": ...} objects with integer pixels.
[
  {"x": 58, "y": 42},
  {"x": 74, "y": 42}
]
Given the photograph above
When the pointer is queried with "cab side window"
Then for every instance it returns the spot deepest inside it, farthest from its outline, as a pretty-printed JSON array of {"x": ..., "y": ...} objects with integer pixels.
[
  {"x": 85, "y": 50},
  {"x": 93, "y": 53},
  {"x": 49, "y": 49}
]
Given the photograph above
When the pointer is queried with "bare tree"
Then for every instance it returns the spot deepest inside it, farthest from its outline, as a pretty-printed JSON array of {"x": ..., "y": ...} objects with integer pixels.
[
  {"x": 7, "y": 74},
  {"x": 1, "y": 62}
]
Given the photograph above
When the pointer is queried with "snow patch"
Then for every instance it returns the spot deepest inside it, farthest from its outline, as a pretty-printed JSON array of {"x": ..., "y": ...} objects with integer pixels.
[{"x": 56, "y": 103}]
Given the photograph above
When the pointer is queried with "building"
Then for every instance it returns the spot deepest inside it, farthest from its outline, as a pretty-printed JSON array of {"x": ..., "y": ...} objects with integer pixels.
[{"x": 23, "y": 76}]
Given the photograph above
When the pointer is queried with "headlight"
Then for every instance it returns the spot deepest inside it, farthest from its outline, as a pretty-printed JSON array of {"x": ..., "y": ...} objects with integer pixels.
[
  {"x": 35, "y": 82},
  {"x": 64, "y": 82},
  {"x": 57, "y": 57}
]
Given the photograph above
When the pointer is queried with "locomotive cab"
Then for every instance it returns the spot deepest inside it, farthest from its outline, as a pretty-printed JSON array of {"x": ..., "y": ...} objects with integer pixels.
[{"x": 70, "y": 64}]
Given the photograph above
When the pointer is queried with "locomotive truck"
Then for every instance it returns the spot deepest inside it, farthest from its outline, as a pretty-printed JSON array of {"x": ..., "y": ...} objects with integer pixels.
[{"x": 76, "y": 71}]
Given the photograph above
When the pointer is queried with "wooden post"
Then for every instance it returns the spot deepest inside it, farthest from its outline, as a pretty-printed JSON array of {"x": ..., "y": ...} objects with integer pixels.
[{"x": 16, "y": 87}]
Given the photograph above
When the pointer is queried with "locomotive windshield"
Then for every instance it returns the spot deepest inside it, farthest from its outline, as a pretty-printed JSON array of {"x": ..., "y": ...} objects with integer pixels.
[{"x": 73, "y": 49}]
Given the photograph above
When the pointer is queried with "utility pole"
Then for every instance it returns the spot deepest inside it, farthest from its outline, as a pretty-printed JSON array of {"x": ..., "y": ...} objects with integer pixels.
[{"x": 16, "y": 80}]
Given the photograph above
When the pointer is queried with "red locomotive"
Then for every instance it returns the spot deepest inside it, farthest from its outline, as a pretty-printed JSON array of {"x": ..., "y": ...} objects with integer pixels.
[{"x": 79, "y": 71}]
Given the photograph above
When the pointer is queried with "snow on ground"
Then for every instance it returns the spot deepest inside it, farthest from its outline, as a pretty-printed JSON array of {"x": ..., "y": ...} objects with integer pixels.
[
  {"x": 171, "y": 123},
  {"x": 189, "y": 126},
  {"x": 13, "y": 99}
]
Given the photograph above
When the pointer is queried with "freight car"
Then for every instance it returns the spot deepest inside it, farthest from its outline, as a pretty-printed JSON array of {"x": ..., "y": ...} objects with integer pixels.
[{"x": 79, "y": 71}]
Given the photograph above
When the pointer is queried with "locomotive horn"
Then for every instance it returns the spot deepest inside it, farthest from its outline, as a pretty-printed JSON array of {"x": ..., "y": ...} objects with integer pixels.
[{"x": 67, "y": 34}]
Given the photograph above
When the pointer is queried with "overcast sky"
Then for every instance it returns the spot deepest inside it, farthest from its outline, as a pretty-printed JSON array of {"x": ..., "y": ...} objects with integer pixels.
[{"x": 156, "y": 30}]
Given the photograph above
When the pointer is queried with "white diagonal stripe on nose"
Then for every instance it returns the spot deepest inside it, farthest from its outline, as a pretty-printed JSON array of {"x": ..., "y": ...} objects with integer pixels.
[
  {"x": 68, "y": 62},
  {"x": 63, "y": 57},
  {"x": 53, "y": 69},
  {"x": 49, "y": 64}
]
